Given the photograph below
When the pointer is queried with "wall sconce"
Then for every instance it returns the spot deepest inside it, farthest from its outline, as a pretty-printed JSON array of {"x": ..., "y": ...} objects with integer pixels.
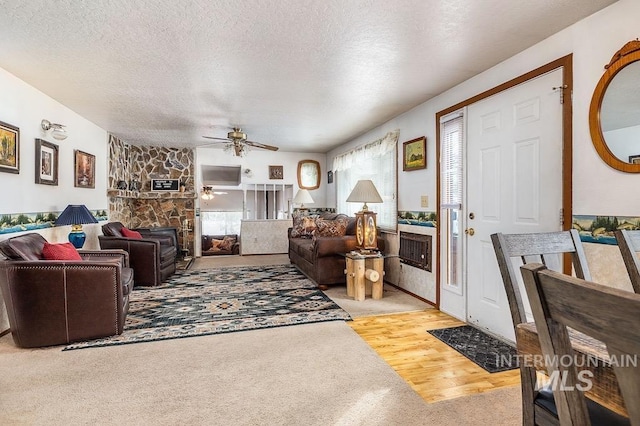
[
  {"x": 57, "y": 130},
  {"x": 207, "y": 193},
  {"x": 366, "y": 228}
]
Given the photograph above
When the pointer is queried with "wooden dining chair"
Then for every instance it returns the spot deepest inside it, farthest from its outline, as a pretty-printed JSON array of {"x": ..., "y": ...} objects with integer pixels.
[
  {"x": 629, "y": 245},
  {"x": 608, "y": 314},
  {"x": 537, "y": 247}
]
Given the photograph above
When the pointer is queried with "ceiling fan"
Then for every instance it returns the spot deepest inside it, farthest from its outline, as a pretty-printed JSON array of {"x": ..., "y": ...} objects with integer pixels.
[{"x": 237, "y": 142}]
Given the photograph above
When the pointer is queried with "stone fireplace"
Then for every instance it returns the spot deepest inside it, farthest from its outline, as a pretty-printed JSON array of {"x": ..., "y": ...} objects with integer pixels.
[{"x": 131, "y": 200}]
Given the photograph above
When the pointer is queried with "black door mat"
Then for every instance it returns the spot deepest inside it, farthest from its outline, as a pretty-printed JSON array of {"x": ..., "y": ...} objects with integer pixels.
[{"x": 486, "y": 351}]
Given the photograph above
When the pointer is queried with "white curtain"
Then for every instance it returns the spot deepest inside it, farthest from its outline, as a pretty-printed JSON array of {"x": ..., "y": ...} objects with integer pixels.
[{"x": 376, "y": 161}]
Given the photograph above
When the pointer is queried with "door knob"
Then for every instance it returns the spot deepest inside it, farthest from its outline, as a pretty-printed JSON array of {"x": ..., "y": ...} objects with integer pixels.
[{"x": 470, "y": 231}]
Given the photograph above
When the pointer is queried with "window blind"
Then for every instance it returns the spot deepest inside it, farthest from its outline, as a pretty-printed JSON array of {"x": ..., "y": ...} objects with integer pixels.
[{"x": 451, "y": 162}]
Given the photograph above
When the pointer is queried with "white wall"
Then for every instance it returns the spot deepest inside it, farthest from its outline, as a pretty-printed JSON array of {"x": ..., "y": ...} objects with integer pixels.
[
  {"x": 23, "y": 106},
  {"x": 259, "y": 161},
  {"x": 598, "y": 189}
]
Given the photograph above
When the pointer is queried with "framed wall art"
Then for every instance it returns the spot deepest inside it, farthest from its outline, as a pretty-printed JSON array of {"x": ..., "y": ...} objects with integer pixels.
[
  {"x": 9, "y": 148},
  {"x": 414, "y": 154},
  {"x": 276, "y": 172},
  {"x": 330, "y": 176},
  {"x": 46, "y": 162},
  {"x": 84, "y": 175}
]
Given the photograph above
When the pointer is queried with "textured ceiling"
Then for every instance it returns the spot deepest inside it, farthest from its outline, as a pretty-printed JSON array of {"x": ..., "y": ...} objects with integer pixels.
[{"x": 301, "y": 75}]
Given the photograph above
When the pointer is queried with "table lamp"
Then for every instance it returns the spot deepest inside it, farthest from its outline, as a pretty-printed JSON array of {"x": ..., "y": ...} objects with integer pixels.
[
  {"x": 366, "y": 231},
  {"x": 76, "y": 216},
  {"x": 302, "y": 197}
]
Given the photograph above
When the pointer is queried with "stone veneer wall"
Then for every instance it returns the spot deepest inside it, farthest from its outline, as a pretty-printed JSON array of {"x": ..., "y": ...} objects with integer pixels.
[{"x": 142, "y": 208}]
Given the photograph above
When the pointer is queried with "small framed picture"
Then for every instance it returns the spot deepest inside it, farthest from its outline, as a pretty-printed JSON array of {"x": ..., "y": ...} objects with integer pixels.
[
  {"x": 84, "y": 175},
  {"x": 330, "y": 176},
  {"x": 9, "y": 148},
  {"x": 414, "y": 154},
  {"x": 634, "y": 159},
  {"x": 276, "y": 172},
  {"x": 46, "y": 162}
]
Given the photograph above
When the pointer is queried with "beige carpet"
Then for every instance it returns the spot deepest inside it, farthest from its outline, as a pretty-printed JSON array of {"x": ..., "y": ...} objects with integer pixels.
[
  {"x": 313, "y": 374},
  {"x": 393, "y": 301}
]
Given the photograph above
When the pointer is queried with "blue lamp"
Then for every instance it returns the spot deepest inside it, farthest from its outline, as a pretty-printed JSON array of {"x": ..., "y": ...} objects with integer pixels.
[{"x": 76, "y": 216}]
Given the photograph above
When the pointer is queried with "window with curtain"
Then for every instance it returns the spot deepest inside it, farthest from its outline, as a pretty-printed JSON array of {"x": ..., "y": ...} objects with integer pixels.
[{"x": 378, "y": 162}]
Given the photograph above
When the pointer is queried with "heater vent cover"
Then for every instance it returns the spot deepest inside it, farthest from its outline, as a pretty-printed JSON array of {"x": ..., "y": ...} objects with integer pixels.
[{"x": 415, "y": 250}]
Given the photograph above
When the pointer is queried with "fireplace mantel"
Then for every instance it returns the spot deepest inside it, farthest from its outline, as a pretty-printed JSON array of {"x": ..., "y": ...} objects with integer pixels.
[{"x": 152, "y": 195}]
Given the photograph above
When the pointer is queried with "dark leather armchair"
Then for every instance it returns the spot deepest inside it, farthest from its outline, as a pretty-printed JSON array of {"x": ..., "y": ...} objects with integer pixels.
[
  {"x": 152, "y": 258},
  {"x": 54, "y": 302}
]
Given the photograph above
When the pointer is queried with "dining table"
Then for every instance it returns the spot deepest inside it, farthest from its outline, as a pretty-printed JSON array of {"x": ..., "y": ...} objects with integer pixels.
[{"x": 594, "y": 356}]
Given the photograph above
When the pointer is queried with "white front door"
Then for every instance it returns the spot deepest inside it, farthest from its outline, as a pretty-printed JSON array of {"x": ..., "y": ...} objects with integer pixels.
[{"x": 514, "y": 185}]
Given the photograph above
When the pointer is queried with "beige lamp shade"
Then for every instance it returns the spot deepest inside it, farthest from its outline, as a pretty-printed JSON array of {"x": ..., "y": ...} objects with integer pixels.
[
  {"x": 364, "y": 192},
  {"x": 303, "y": 197}
]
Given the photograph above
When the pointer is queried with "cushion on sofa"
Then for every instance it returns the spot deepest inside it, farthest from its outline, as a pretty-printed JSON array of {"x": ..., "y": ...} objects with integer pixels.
[
  {"x": 131, "y": 234},
  {"x": 226, "y": 244},
  {"x": 330, "y": 228},
  {"x": 60, "y": 251},
  {"x": 305, "y": 250},
  {"x": 113, "y": 229},
  {"x": 303, "y": 226},
  {"x": 23, "y": 247},
  {"x": 351, "y": 225}
]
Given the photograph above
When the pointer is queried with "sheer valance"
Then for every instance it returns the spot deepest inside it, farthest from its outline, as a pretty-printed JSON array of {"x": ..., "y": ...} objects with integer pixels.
[
  {"x": 374, "y": 149},
  {"x": 378, "y": 162}
]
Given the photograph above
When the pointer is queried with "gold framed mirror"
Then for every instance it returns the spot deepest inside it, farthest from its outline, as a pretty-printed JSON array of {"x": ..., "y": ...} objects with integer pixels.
[
  {"x": 614, "y": 113},
  {"x": 308, "y": 174}
]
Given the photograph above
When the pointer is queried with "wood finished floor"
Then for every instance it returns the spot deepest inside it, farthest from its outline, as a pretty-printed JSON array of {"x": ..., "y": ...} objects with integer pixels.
[{"x": 433, "y": 369}]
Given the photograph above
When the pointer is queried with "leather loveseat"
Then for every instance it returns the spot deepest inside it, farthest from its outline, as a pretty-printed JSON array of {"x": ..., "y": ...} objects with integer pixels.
[
  {"x": 213, "y": 245},
  {"x": 321, "y": 258},
  {"x": 152, "y": 258},
  {"x": 54, "y": 302}
]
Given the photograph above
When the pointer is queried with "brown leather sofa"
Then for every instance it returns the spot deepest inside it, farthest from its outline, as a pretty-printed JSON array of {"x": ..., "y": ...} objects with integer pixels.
[
  {"x": 322, "y": 258},
  {"x": 152, "y": 258},
  {"x": 54, "y": 302},
  {"x": 211, "y": 246}
]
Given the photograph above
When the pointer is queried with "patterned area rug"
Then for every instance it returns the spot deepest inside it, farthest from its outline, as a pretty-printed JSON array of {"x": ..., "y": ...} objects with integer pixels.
[
  {"x": 486, "y": 351},
  {"x": 195, "y": 303}
]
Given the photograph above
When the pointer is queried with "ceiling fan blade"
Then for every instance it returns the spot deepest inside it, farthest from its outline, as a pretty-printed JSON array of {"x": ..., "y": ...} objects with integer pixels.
[
  {"x": 216, "y": 139},
  {"x": 261, "y": 145}
]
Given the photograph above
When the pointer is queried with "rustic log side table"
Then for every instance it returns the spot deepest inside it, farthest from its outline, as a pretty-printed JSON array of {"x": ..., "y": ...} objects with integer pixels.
[{"x": 365, "y": 275}]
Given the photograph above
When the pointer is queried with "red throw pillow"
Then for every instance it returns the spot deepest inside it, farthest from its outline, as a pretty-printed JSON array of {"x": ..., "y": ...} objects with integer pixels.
[
  {"x": 131, "y": 234},
  {"x": 62, "y": 251}
]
